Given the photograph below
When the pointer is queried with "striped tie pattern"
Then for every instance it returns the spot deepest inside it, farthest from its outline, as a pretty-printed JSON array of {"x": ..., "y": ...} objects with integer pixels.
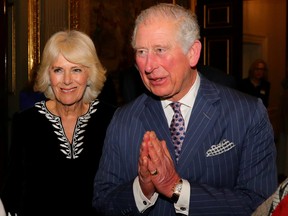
[{"x": 177, "y": 128}]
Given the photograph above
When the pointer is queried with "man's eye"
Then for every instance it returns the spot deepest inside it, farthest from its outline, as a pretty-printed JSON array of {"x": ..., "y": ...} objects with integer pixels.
[
  {"x": 141, "y": 52},
  {"x": 160, "y": 50}
]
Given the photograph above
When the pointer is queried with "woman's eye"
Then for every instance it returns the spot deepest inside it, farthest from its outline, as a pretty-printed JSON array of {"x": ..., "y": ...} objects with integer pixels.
[
  {"x": 57, "y": 70},
  {"x": 77, "y": 70}
]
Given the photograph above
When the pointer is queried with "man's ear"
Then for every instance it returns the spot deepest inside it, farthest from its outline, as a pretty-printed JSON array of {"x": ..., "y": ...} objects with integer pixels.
[{"x": 194, "y": 53}]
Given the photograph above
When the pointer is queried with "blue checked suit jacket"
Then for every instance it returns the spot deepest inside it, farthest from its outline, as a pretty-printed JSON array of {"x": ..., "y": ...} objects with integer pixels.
[{"x": 228, "y": 154}]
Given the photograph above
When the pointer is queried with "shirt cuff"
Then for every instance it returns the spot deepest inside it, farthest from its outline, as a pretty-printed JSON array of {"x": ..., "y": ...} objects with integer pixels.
[
  {"x": 141, "y": 200},
  {"x": 182, "y": 205}
]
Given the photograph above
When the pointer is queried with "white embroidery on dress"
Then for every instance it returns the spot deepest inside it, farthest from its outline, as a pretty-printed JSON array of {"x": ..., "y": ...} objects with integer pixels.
[{"x": 72, "y": 151}]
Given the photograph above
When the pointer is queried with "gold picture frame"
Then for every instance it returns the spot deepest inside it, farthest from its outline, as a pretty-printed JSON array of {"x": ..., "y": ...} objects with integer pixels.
[
  {"x": 84, "y": 23},
  {"x": 11, "y": 60},
  {"x": 33, "y": 34}
]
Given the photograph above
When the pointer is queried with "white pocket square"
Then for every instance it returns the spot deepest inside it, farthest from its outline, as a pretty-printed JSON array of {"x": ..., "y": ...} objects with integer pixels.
[{"x": 223, "y": 146}]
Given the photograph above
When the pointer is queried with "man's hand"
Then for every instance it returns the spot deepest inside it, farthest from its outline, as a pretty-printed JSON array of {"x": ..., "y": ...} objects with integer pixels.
[
  {"x": 144, "y": 174},
  {"x": 156, "y": 157}
]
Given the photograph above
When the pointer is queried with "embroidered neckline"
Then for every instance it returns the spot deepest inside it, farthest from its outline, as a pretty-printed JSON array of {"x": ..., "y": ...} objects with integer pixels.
[{"x": 73, "y": 150}]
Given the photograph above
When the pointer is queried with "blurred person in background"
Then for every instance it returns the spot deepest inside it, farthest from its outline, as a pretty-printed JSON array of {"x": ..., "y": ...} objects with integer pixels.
[
  {"x": 256, "y": 84},
  {"x": 28, "y": 96}
]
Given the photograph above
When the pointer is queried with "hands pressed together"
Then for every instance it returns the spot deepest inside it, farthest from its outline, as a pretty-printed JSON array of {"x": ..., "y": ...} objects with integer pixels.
[{"x": 156, "y": 169}]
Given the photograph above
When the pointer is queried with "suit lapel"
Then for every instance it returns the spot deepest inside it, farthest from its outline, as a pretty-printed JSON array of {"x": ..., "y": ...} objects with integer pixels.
[{"x": 202, "y": 119}]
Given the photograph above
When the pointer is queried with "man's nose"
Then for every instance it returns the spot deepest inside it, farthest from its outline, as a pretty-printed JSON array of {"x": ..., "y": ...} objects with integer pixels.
[{"x": 151, "y": 63}]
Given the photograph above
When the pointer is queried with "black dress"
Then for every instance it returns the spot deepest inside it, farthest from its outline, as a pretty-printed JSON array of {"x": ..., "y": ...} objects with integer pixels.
[
  {"x": 261, "y": 91},
  {"x": 48, "y": 175}
]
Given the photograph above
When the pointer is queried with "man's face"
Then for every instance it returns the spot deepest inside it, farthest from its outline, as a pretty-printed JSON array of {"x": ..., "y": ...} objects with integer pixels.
[{"x": 164, "y": 68}]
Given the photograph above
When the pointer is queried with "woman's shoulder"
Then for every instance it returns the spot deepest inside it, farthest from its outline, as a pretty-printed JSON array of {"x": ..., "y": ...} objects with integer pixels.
[
  {"x": 26, "y": 113},
  {"x": 102, "y": 108},
  {"x": 265, "y": 82},
  {"x": 100, "y": 104}
]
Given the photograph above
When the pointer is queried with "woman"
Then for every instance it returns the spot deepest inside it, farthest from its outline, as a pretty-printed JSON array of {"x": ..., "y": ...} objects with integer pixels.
[
  {"x": 56, "y": 145},
  {"x": 257, "y": 84}
]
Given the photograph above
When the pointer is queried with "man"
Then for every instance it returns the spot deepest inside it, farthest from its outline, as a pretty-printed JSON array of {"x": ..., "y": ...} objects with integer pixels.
[{"x": 226, "y": 163}]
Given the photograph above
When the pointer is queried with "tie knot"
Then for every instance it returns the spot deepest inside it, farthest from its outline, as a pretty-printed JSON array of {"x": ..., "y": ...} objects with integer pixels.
[{"x": 175, "y": 106}]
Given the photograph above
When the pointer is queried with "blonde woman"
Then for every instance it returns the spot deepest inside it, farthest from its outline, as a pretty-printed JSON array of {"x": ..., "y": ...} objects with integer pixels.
[{"x": 56, "y": 145}]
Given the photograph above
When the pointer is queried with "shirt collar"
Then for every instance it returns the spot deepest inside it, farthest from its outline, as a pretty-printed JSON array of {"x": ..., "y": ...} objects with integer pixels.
[{"x": 188, "y": 99}]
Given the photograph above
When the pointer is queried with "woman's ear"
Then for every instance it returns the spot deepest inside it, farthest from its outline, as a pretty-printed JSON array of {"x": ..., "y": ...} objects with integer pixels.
[{"x": 194, "y": 53}]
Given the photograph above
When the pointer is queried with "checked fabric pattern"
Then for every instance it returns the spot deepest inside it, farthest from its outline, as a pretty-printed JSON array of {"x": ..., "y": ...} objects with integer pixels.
[
  {"x": 223, "y": 146},
  {"x": 177, "y": 128}
]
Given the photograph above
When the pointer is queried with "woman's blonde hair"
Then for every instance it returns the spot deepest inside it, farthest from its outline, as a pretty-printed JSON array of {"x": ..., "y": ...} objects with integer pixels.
[{"x": 78, "y": 48}]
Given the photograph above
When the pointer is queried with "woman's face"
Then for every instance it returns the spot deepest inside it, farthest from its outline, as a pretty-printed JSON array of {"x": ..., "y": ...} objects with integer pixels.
[
  {"x": 68, "y": 81},
  {"x": 259, "y": 71}
]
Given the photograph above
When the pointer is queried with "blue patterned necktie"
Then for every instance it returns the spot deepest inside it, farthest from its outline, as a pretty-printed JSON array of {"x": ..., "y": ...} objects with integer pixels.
[{"x": 177, "y": 128}]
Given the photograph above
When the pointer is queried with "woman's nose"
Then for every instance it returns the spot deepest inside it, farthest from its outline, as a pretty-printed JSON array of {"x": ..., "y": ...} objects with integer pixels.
[{"x": 67, "y": 78}]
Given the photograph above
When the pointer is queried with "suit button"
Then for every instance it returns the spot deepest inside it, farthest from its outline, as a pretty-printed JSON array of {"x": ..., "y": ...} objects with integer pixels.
[
  {"x": 144, "y": 202},
  {"x": 182, "y": 208}
]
